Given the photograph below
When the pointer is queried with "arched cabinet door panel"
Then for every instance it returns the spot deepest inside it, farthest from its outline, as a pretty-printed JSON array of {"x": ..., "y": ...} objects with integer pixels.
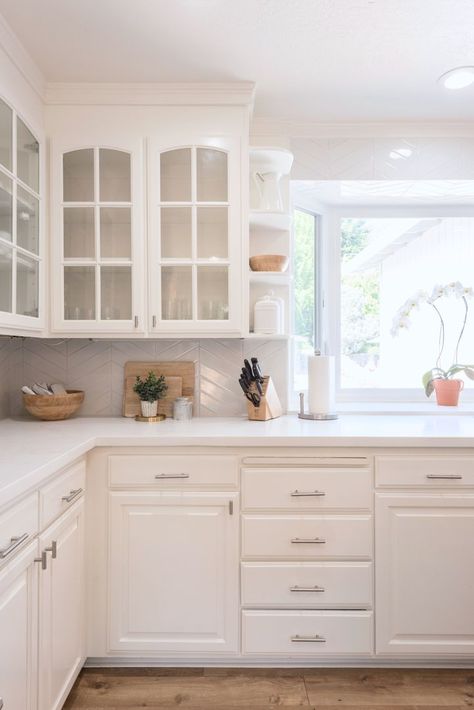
[
  {"x": 195, "y": 236},
  {"x": 98, "y": 239}
]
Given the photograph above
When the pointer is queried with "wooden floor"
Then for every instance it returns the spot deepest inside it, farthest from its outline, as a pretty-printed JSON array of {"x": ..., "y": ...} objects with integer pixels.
[{"x": 236, "y": 689}]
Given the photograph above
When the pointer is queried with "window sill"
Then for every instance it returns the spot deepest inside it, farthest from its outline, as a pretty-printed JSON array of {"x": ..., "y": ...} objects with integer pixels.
[{"x": 408, "y": 408}]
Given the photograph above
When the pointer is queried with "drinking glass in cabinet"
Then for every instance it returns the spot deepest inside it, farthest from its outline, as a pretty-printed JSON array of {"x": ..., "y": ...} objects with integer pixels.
[
  {"x": 114, "y": 175},
  {"x": 6, "y": 208},
  {"x": 176, "y": 292},
  {"x": 213, "y": 292},
  {"x": 176, "y": 233},
  {"x": 79, "y": 239},
  {"x": 212, "y": 229},
  {"x": 211, "y": 165},
  {"x": 78, "y": 175},
  {"x": 115, "y": 233},
  {"x": 79, "y": 292},
  {"x": 175, "y": 175},
  {"x": 115, "y": 292},
  {"x": 5, "y": 135},
  {"x": 27, "y": 156},
  {"x": 27, "y": 226},
  {"x": 26, "y": 286},
  {"x": 6, "y": 262}
]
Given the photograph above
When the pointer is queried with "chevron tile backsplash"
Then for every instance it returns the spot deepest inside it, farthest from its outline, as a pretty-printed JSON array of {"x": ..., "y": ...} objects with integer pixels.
[{"x": 97, "y": 368}]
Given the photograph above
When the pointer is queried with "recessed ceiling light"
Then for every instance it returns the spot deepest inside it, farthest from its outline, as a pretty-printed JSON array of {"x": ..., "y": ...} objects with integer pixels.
[
  {"x": 457, "y": 78},
  {"x": 399, "y": 153}
]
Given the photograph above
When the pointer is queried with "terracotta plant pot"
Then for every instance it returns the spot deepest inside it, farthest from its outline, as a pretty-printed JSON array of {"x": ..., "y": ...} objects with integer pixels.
[{"x": 447, "y": 392}]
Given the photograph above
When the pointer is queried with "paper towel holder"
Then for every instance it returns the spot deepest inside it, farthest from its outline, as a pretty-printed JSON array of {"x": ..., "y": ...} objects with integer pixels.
[{"x": 317, "y": 417}]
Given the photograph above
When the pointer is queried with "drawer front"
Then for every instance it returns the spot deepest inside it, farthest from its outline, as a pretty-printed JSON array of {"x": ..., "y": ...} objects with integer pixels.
[
  {"x": 156, "y": 471},
  {"x": 307, "y": 633},
  {"x": 306, "y": 489},
  {"x": 61, "y": 493},
  {"x": 303, "y": 536},
  {"x": 307, "y": 584},
  {"x": 424, "y": 471},
  {"x": 18, "y": 526}
]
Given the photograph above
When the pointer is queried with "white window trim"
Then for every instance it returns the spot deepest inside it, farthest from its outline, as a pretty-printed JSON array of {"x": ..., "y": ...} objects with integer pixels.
[{"x": 331, "y": 266}]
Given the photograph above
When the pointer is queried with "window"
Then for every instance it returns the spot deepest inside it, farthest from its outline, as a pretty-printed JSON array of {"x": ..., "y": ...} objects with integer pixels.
[{"x": 375, "y": 247}]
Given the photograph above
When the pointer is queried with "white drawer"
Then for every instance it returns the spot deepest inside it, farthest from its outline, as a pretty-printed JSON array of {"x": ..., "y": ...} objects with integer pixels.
[
  {"x": 311, "y": 488},
  {"x": 424, "y": 471},
  {"x": 303, "y": 536},
  {"x": 172, "y": 471},
  {"x": 307, "y": 584},
  {"x": 62, "y": 492},
  {"x": 18, "y": 525},
  {"x": 307, "y": 633}
]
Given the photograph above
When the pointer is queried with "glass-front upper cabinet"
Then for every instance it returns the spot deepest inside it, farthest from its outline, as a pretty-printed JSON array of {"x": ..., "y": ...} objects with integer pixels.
[
  {"x": 195, "y": 254},
  {"x": 99, "y": 284},
  {"x": 20, "y": 220}
]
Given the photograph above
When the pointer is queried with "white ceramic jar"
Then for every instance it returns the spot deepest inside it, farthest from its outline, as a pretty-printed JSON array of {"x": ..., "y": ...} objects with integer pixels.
[{"x": 268, "y": 315}]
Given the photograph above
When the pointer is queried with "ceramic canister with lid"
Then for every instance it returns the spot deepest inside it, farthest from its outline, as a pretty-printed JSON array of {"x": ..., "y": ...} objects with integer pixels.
[{"x": 268, "y": 315}]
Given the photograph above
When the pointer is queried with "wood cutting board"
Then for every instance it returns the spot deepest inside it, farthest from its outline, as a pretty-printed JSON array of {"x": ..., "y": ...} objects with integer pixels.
[{"x": 179, "y": 377}]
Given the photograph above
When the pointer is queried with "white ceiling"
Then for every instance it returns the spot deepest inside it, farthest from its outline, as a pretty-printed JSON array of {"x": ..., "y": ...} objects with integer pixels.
[{"x": 313, "y": 60}]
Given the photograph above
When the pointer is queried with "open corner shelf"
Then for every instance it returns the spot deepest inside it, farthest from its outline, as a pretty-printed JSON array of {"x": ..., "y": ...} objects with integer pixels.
[
  {"x": 275, "y": 278},
  {"x": 269, "y": 221}
]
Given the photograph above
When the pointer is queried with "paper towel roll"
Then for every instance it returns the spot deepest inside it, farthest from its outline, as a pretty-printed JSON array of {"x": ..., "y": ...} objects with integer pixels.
[{"x": 321, "y": 384}]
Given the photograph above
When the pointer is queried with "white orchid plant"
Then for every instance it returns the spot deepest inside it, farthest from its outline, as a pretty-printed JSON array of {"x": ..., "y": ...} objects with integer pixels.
[{"x": 402, "y": 322}]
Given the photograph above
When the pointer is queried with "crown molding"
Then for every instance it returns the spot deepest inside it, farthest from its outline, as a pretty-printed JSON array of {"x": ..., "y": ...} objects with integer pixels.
[
  {"x": 238, "y": 93},
  {"x": 18, "y": 55},
  {"x": 300, "y": 129}
]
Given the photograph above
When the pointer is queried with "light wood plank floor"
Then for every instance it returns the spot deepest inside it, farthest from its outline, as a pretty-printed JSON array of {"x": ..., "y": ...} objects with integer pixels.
[{"x": 265, "y": 689}]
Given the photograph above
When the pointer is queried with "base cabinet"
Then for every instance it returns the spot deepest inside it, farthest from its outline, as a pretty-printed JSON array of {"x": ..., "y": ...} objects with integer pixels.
[
  {"x": 424, "y": 574},
  {"x": 61, "y": 603},
  {"x": 173, "y": 578},
  {"x": 19, "y": 632}
]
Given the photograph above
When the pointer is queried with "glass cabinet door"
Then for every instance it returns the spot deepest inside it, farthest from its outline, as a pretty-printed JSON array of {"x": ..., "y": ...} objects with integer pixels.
[
  {"x": 20, "y": 253},
  {"x": 97, "y": 235},
  {"x": 193, "y": 237}
]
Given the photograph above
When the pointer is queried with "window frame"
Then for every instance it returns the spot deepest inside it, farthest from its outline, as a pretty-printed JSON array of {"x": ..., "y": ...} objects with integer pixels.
[{"x": 332, "y": 303}]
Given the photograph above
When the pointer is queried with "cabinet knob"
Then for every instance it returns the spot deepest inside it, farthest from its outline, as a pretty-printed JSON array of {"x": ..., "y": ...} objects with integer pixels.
[
  {"x": 53, "y": 548},
  {"x": 43, "y": 559}
]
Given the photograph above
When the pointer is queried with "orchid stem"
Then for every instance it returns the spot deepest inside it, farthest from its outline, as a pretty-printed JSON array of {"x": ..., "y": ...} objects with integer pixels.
[
  {"x": 441, "y": 335},
  {"x": 466, "y": 310}
]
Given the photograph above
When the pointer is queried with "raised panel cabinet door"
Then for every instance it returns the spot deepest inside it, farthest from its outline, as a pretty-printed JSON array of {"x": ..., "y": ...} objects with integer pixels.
[
  {"x": 19, "y": 631},
  {"x": 424, "y": 575},
  {"x": 174, "y": 573},
  {"x": 62, "y": 613}
]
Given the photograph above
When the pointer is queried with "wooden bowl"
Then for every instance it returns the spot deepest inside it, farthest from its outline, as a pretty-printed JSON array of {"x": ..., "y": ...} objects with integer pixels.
[
  {"x": 55, "y": 406},
  {"x": 269, "y": 262}
]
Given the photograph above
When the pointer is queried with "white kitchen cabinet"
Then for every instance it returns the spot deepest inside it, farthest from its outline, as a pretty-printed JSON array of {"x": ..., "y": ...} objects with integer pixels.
[
  {"x": 174, "y": 573},
  {"x": 195, "y": 235},
  {"x": 424, "y": 574},
  {"x": 19, "y": 631},
  {"x": 61, "y": 607},
  {"x": 21, "y": 233},
  {"x": 98, "y": 240}
]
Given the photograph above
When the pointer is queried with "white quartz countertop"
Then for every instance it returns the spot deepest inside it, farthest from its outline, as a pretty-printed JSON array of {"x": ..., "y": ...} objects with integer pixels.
[{"x": 30, "y": 450}]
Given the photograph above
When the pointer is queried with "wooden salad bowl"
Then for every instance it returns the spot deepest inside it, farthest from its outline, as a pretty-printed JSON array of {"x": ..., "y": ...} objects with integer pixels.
[
  {"x": 55, "y": 406},
  {"x": 269, "y": 262}
]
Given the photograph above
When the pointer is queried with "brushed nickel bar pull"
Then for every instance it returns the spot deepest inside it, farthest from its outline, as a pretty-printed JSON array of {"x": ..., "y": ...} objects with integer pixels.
[
  {"x": 308, "y": 639},
  {"x": 444, "y": 476},
  {"x": 231, "y": 507},
  {"x": 43, "y": 559},
  {"x": 135, "y": 321},
  {"x": 15, "y": 542},
  {"x": 153, "y": 322},
  {"x": 296, "y": 588},
  {"x": 72, "y": 495},
  {"x": 171, "y": 475},
  {"x": 308, "y": 540},
  {"x": 309, "y": 494},
  {"x": 53, "y": 548}
]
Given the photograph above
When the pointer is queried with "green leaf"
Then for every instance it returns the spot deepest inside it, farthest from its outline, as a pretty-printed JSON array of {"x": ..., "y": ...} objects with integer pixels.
[{"x": 469, "y": 372}]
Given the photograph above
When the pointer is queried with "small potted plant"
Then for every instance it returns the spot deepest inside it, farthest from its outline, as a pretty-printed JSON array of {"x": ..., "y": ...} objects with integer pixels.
[
  {"x": 443, "y": 382},
  {"x": 150, "y": 390}
]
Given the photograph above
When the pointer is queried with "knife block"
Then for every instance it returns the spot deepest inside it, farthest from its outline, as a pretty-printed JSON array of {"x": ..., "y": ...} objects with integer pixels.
[{"x": 270, "y": 406}]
